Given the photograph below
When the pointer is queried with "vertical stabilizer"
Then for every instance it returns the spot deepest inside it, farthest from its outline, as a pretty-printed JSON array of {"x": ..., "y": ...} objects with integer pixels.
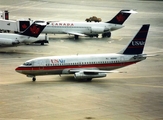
[
  {"x": 136, "y": 45},
  {"x": 34, "y": 30},
  {"x": 121, "y": 17}
]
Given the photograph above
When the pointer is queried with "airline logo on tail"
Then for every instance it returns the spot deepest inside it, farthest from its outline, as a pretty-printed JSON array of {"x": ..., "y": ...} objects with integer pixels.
[
  {"x": 136, "y": 46},
  {"x": 137, "y": 43},
  {"x": 23, "y": 25},
  {"x": 35, "y": 29},
  {"x": 121, "y": 17}
]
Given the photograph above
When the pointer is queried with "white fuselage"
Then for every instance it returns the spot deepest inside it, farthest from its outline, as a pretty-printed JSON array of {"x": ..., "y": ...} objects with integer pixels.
[
  {"x": 11, "y": 39},
  {"x": 86, "y": 28},
  {"x": 63, "y": 64}
]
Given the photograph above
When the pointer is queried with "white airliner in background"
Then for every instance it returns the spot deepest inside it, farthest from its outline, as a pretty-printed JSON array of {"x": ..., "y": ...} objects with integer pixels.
[
  {"x": 86, "y": 67},
  {"x": 88, "y": 28},
  {"x": 30, "y": 35}
]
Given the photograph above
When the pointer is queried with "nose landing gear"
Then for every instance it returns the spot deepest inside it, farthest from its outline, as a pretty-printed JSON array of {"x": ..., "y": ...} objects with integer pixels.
[{"x": 33, "y": 77}]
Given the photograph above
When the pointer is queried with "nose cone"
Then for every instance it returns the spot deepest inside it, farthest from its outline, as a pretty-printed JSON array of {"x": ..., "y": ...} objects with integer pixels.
[{"x": 18, "y": 69}]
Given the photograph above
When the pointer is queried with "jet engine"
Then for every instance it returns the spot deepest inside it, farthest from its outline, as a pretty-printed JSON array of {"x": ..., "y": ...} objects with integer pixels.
[
  {"x": 8, "y": 42},
  {"x": 97, "y": 29},
  {"x": 82, "y": 75}
]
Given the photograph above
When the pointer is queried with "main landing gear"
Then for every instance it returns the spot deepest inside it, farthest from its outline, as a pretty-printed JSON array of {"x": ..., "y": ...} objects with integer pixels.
[
  {"x": 34, "y": 79},
  {"x": 85, "y": 80},
  {"x": 94, "y": 35},
  {"x": 76, "y": 37},
  {"x": 88, "y": 79},
  {"x": 107, "y": 34}
]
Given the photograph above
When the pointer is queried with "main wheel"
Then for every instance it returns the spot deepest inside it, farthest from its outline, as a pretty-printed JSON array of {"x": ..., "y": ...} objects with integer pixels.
[
  {"x": 104, "y": 35},
  {"x": 76, "y": 37},
  {"x": 89, "y": 79},
  {"x": 96, "y": 36},
  {"x": 42, "y": 43},
  {"x": 33, "y": 79},
  {"x": 108, "y": 34}
]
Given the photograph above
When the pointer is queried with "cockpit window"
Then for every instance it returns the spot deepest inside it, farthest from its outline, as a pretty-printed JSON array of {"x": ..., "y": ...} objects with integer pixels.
[{"x": 27, "y": 63}]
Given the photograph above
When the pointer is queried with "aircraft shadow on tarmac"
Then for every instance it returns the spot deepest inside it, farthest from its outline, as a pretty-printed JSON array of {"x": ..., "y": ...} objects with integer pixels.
[
  {"x": 11, "y": 52},
  {"x": 70, "y": 79},
  {"x": 71, "y": 38}
]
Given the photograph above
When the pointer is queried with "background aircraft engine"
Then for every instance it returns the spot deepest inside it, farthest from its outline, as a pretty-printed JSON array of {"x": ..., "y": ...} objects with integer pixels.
[
  {"x": 8, "y": 42},
  {"x": 82, "y": 75},
  {"x": 97, "y": 29}
]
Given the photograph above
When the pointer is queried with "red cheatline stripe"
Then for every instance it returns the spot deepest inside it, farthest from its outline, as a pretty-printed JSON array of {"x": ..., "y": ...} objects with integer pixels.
[
  {"x": 135, "y": 46},
  {"x": 143, "y": 31},
  {"x": 73, "y": 66}
]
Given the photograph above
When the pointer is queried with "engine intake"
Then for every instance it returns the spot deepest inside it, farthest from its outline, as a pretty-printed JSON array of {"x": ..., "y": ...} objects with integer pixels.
[
  {"x": 97, "y": 29},
  {"x": 82, "y": 75}
]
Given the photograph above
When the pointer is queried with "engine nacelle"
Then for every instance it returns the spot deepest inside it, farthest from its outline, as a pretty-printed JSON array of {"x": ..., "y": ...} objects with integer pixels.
[
  {"x": 82, "y": 75},
  {"x": 97, "y": 29},
  {"x": 8, "y": 42}
]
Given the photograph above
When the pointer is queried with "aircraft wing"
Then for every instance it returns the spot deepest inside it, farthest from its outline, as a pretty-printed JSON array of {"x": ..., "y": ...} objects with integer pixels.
[
  {"x": 93, "y": 71},
  {"x": 75, "y": 33}
]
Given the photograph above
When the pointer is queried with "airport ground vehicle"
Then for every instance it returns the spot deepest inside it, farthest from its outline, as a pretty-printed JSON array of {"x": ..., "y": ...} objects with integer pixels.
[{"x": 93, "y": 18}]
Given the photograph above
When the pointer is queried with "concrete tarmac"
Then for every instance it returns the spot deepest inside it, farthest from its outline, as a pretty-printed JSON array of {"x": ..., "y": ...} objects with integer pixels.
[{"x": 135, "y": 95}]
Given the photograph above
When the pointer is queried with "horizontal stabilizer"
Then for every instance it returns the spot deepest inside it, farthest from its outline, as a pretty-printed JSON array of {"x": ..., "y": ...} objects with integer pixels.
[
  {"x": 130, "y": 11},
  {"x": 146, "y": 55}
]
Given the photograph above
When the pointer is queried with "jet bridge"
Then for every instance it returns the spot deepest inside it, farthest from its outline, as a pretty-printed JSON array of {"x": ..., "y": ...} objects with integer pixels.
[
  {"x": 14, "y": 25},
  {"x": 4, "y": 15}
]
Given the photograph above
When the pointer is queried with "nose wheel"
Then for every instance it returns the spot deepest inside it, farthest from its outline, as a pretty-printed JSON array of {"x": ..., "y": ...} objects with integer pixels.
[{"x": 34, "y": 79}]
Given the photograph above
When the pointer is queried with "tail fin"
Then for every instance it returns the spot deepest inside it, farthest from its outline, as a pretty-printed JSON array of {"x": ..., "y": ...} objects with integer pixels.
[
  {"x": 136, "y": 45},
  {"x": 121, "y": 17},
  {"x": 23, "y": 25},
  {"x": 35, "y": 29}
]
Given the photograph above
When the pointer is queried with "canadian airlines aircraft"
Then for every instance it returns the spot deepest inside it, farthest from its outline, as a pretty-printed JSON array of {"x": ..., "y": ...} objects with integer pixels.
[
  {"x": 86, "y": 67},
  {"x": 89, "y": 28},
  {"x": 30, "y": 35}
]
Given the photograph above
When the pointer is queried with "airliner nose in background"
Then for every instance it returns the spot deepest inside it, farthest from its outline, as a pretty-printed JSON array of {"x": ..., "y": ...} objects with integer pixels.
[
  {"x": 86, "y": 67},
  {"x": 89, "y": 28}
]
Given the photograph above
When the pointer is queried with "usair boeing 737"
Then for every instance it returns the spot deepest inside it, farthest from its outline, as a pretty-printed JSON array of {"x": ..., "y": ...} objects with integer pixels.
[
  {"x": 30, "y": 35},
  {"x": 89, "y": 28},
  {"x": 86, "y": 67}
]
